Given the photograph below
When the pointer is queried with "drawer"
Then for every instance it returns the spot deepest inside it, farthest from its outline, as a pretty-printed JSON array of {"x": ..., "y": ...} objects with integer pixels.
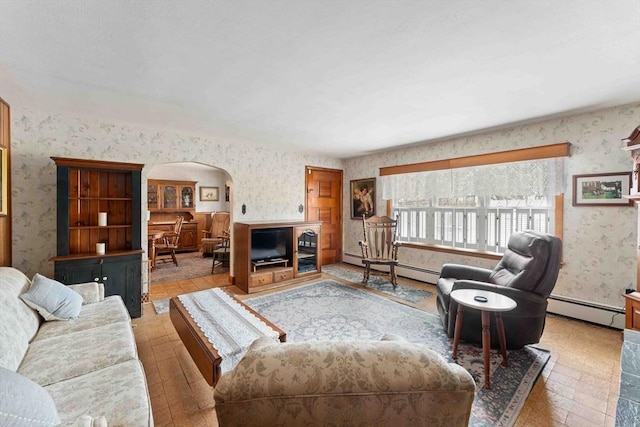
[
  {"x": 283, "y": 274},
  {"x": 260, "y": 279}
]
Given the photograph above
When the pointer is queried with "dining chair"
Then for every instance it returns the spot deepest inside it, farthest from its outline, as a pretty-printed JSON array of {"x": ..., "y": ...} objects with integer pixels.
[
  {"x": 166, "y": 248},
  {"x": 222, "y": 252}
]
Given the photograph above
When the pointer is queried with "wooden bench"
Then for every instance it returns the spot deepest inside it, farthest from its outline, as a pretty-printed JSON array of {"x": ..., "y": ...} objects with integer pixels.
[{"x": 202, "y": 352}]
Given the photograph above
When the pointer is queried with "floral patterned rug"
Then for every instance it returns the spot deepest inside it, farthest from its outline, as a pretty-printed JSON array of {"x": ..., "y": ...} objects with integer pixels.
[
  {"x": 407, "y": 293},
  {"x": 331, "y": 310}
]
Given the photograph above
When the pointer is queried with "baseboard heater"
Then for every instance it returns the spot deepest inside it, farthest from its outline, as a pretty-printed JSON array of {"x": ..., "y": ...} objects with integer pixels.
[{"x": 588, "y": 311}]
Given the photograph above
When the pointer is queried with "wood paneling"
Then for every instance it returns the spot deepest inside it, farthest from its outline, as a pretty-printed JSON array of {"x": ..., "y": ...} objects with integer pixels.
[{"x": 533, "y": 153}]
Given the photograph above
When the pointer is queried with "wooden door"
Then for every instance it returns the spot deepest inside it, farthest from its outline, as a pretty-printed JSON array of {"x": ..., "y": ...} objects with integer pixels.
[
  {"x": 324, "y": 203},
  {"x": 5, "y": 186}
]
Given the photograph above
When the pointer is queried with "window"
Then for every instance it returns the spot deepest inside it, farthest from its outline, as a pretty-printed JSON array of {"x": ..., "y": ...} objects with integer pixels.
[
  {"x": 485, "y": 226},
  {"x": 477, "y": 207}
]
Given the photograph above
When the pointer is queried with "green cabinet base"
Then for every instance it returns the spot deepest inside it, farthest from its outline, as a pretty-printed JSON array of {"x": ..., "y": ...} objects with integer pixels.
[{"x": 121, "y": 275}]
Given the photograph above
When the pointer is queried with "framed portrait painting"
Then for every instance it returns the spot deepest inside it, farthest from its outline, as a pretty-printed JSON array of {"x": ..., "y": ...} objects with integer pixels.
[
  {"x": 602, "y": 189},
  {"x": 363, "y": 198},
  {"x": 209, "y": 194}
]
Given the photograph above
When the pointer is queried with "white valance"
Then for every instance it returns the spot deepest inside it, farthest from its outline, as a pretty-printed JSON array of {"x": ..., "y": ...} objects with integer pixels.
[{"x": 543, "y": 178}]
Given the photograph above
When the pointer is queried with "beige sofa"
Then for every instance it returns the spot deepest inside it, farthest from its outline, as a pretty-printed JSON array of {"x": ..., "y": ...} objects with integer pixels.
[
  {"x": 388, "y": 383},
  {"x": 86, "y": 367}
]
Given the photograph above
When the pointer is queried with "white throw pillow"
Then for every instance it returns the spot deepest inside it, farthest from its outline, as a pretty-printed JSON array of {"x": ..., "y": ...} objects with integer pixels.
[
  {"x": 52, "y": 299},
  {"x": 25, "y": 403}
]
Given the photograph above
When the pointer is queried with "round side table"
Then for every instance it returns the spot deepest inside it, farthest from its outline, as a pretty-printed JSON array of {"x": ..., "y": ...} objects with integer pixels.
[{"x": 486, "y": 302}]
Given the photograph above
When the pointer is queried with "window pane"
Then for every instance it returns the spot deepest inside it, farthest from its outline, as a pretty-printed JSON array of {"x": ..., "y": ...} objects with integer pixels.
[
  {"x": 459, "y": 228},
  {"x": 448, "y": 227},
  {"x": 472, "y": 229},
  {"x": 437, "y": 226}
]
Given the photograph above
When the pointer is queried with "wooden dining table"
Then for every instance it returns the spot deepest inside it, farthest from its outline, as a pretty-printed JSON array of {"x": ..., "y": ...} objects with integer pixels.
[{"x": 153, "y": 235}]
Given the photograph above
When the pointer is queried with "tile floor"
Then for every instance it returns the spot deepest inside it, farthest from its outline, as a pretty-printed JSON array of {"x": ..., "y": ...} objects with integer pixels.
[{"x": 578, "y": 387}]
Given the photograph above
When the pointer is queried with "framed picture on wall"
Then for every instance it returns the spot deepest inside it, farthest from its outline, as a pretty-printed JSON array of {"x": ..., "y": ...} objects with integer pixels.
[
  {"x": 209, "y": 194},
  {"x": 363, "y": 198},
  {"x": 602, "y": 189}
]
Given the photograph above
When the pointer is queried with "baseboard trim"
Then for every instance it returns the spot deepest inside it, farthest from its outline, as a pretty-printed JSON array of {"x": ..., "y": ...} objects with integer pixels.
[{"x": 600, "y": 314}]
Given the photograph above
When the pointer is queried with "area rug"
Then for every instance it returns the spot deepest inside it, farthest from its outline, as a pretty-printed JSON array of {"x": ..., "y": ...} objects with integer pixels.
[
  {"x": 161, "y": 306},
  {"x": 190, "y": 265},
  {"x": 329, "y": 310},
  {"x": 407, "y": 293}
]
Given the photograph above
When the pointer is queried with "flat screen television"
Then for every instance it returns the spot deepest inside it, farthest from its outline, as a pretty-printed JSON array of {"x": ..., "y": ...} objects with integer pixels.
[{"x": 268, "y": 244}]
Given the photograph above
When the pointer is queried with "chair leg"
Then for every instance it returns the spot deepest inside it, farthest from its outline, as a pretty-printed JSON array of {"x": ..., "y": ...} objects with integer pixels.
[
  {"x": 173, "y": 257},
  {"x": 394, "y": 279},
  {"x": 153, "y": 262},
  {"x": 365, "y": 277}
]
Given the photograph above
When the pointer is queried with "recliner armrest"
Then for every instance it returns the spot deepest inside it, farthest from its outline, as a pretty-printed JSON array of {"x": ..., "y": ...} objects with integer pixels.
[{"x": 465, "y": 272}]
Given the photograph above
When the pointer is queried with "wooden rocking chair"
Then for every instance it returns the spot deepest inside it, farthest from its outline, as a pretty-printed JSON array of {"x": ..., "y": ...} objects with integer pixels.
[{"x": 379, "y": 246}]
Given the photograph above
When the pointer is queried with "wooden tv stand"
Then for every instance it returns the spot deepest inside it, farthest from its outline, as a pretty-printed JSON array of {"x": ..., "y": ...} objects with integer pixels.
[{"x": 302, "y": 260}]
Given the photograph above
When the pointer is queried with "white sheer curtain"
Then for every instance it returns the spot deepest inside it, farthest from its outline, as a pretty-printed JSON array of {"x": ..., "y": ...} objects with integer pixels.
[{"x": 540, "y": 178}]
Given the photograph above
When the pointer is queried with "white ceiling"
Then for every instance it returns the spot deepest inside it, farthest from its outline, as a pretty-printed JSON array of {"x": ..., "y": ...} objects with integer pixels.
[{"x": 341, "y": 78}]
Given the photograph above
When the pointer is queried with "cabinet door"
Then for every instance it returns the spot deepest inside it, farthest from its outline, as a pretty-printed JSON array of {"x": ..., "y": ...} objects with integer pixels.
[
  {"x": 307, "y": 250},
  {"x": 152, "y": 197},
  {"x": 121, "y": 276},
  {"x": 186, "y": 197},
  {"x": 77, "y": 271},
  {"x": 169, "y": 196},
  {"x": 188, "y": 237}
]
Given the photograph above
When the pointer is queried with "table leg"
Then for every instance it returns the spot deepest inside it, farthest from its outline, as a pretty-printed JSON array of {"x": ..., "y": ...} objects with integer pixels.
[
  {"x": 503, "y": 340},
  {"x": 152, "y": 252},
  {"x": 486, "y": 346},
  {"x": 456, "y": 333}
]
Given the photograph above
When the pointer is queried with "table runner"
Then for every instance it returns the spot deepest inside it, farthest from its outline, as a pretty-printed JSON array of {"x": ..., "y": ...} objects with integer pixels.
[{"x": 228, "y": 326}]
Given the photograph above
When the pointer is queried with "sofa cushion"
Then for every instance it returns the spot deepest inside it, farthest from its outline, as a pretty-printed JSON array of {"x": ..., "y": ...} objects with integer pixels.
[
  {"x": 18, "y": 322},
  {"x": 25, "y": 403},
  {"x": 118, "y": 393},
  {"x": 52, "y": 299},
  {"x": 110, "y": 310},
  {"x": 78, "y": 353}
]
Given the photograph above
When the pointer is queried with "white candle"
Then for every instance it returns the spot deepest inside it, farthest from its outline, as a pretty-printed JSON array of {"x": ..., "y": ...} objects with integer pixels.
[
  {"x": 100, "y": 248},
  {"x": 102, "y": 219}
]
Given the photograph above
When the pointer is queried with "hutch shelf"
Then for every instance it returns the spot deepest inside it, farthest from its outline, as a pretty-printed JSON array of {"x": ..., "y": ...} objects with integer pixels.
[{"x": 89, "y": 249}]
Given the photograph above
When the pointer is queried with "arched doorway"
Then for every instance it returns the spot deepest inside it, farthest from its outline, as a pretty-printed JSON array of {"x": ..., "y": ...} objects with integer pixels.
[{"x": 192, "y": 191}]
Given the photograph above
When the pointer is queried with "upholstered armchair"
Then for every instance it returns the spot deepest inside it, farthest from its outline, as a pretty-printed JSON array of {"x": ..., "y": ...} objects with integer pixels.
[
  {"x": 220, "y": 223},
  {"x": 526, "y": 273},
  {"x": 391, "y": 382}
]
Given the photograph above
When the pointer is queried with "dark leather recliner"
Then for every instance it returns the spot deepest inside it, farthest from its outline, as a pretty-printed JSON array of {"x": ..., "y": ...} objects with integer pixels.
[{"x": 527, "y": 273}]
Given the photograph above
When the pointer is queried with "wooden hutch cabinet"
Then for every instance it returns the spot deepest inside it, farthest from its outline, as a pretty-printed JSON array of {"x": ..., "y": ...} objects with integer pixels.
[
  {"x": 166, "y": 195},
  {"x": 632, "y": 311},
  {"x": 167, "y": 199},
  {"x": 271, "y": 254},
  {"x": 86, "y": 188}
]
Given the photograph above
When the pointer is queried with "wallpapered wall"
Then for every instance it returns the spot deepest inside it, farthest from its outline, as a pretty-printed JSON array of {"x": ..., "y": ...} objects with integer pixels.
[
  {"x": 599, "y": 242},
  {"x": 269, "y": 182}
]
